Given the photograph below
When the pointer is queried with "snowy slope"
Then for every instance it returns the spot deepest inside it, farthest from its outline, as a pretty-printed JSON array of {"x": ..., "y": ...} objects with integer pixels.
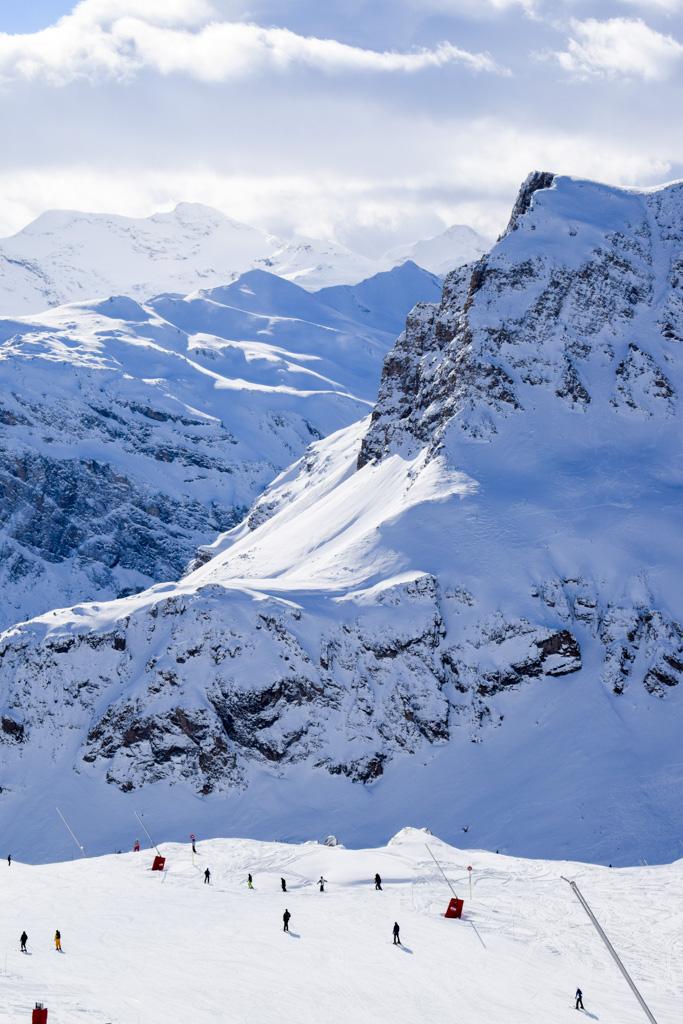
[
  {"x": 469, "y": 603},
  {"x": 66, "y": 256},
  {"x": 454, "y": 247},
  {"x": 131, "y": 434},
  {"x": 383, "y": 296},
  {"x": 139, "y": 946}
]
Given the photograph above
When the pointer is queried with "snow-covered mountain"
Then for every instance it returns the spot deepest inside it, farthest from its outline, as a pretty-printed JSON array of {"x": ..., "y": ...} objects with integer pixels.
[
  {"x": 444, "y": 252},
  {"x": 66, "y": 256},
  {"x": 130, "y": 434},
  {"x": 468, "y": 603},
  {"x": 520, "y": 950}
]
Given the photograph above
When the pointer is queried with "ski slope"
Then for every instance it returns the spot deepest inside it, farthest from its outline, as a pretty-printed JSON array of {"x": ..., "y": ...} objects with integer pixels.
[{"x": 164, "y": 947}]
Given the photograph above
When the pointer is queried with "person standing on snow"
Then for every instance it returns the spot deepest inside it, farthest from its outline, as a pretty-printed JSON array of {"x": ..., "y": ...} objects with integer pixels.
[
  {"x": 9, "y": 860},
  {"x": 58, "y": 941},
  {"x": 285, "y": 917},
  {"x": 250, "y": 882},
  {"x": 23, "y": 939},
  {"x": 579, "y": 1000},
  {"x": 378, "y": 882},
  {"x": 397, "y": 937},
  {"x": 321, "y": 883},
  {"x": 207, "y": 877},
  {"x": 283, "y": 884}
]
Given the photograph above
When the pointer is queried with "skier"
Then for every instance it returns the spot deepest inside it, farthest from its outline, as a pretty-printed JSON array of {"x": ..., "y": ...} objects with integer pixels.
[
  {"x": 136, "y": 846},
  {"x": 579, "y": 1000},
  {"x": 283, "y": 885},
  {"x": 207, "y": 877},
  {"x": 397, "y": 937},
  {"x": 9, "y": 860},
  {"x": 285, "y": 917},
  {"x": 321, "y": 883},
  {"x": 378, "y": 882},
  {"x": 250, "y": 882},
  {"x": 194, "y": 848},
  {"x": 58, "y": 941},
  {"x": 23, "y": 939}
]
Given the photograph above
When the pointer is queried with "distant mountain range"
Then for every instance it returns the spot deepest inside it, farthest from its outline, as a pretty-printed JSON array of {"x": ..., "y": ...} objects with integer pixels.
[
  {"x": 467, "y": 603},
  {"x": 65, "y": 256},
  {"x": 130, "y": 434}
]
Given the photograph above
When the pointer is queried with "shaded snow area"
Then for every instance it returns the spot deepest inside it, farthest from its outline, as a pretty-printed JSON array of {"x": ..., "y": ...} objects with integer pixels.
[
  {"x": 145, "y": 946},
  {"x": 467, "y": 603},
  {"x": 67, "y": 256},
  {"x": 131, "y": 434}
]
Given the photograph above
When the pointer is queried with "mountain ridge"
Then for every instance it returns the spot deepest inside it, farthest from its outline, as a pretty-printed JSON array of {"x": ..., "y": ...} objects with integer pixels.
[
  {"x": 480, "y": 616},
  {"x": 66, "y": 256}
]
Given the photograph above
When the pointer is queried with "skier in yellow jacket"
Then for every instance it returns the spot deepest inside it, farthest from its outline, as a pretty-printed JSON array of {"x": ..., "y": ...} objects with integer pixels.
[{"x": 58, "y": 941}]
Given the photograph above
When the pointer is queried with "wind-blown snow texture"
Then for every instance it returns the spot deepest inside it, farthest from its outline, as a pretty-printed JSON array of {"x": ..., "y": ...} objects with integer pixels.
[
  {"x": 130, "y": 434},
  {"x": 144, "y": 946},
  {"x": 469, "y": 604}
]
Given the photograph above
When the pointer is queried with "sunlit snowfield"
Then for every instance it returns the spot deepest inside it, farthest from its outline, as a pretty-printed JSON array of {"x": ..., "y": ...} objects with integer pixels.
[{"x": 143, "y": 946}]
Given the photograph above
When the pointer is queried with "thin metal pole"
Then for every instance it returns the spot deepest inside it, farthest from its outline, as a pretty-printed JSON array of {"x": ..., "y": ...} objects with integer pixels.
[
  {"x": 146, "y": 832},
  {"x": 442, "y": 872},
  {"x": 68, "y": 828},
  {"x": 610, "y": 948}
]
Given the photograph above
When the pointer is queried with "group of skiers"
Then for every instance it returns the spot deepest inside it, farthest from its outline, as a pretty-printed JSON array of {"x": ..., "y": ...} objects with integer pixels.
[
  {"x": 23, "y": 939},
  {"x": 286, "y": 917}
]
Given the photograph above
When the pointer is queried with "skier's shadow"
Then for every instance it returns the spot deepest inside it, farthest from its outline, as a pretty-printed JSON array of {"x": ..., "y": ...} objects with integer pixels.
[
  {"x": 405, "y": 949},
  {"x": 593, "y": 1016},
  {"x": 295, "y": 935}
]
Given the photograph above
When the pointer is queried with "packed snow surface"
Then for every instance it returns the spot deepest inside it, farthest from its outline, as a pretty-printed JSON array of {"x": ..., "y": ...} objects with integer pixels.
[{"x": 143, "y": 946}]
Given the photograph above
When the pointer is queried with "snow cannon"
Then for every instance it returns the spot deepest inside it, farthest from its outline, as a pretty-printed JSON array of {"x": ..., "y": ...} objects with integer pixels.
[
  {"x": 455, "y": 908},
  {"x": 39, "y": 1014},
  {"x": 159, "y": 863}
]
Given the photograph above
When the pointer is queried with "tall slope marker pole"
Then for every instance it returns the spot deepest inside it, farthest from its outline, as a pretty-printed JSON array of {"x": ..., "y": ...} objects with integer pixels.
[
  {"x": 152, "y": 843},
  {"x": 69, "y": 830},
  {"x": 442, "y": 871},
  {"x": 611, "y": 950}
]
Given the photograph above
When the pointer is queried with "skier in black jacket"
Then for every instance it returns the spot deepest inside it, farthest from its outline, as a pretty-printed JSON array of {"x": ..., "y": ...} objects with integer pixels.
[
  {"x": 23, "y": 939},
  {"x": 579, "y": 1000},
  {"x": 207, "y": 877},
  {"x": 283, "y": 885},
  {"x": 397, "y": 937},
  {"x": 378, "y": 882},
  {"x": 285, "y": 917}
]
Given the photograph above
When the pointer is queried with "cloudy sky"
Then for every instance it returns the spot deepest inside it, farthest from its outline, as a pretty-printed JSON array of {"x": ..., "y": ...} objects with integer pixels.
[{"x": 369, "y": 121}]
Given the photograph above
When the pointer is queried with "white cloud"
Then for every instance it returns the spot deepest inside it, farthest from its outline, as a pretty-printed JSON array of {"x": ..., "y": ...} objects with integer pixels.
[
  {"x": 395, "y": 198},
  {"x": 620, "y": 46},
  {"x": 115, "y": 39}
]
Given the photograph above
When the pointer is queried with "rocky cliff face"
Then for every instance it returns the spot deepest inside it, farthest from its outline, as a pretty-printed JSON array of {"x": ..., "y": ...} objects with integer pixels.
[
  {"x": 471, "y": 601},
  {"x": 581, "y": 300}
]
